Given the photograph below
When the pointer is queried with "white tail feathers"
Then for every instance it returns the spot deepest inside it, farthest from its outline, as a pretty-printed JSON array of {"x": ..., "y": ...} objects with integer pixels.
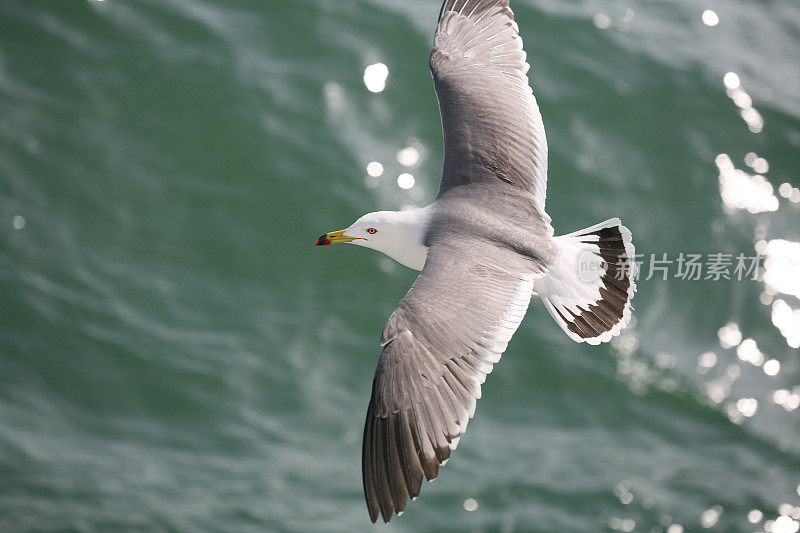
[{"x": 589, "y": 287}]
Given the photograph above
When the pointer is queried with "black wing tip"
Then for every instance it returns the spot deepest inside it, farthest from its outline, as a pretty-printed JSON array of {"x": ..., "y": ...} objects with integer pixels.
[{"x": 384, "y": 497}]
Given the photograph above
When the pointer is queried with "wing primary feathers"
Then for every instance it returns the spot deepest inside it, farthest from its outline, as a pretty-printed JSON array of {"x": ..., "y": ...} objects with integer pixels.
[
  {"x": 383, "y": 488},
  {"x": 412, "y": 452},
  {"x": 396, "y": 476},
  {"x": 368, "y": 468},
  {"x": 425, "y": 446},
  {"x": 450, "y": 409},
  {"x": 437, "y": 434},
  {"x": 402, "y": 448}
]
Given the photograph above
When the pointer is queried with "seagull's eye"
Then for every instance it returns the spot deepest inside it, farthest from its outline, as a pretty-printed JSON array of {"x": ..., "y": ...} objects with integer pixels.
[{"x": 372, "y": 231}]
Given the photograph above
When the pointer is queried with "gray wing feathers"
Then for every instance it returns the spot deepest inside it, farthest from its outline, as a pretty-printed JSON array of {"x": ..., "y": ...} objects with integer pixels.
[
  {"x": 491, "y": 122},
  {"x": 438, "y": 347}
]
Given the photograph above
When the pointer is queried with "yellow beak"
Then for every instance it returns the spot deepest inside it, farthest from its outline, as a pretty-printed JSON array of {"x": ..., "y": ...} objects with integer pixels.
[{"x": 334, "y": 237}]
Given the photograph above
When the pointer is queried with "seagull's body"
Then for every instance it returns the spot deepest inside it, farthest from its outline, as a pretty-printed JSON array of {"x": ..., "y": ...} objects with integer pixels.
[{"x": 484, "y": 247}]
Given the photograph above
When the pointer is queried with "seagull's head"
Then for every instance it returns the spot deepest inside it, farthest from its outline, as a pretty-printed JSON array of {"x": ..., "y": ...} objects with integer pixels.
[
  {"x": 398, "y": 234},
  {"x": 373, "y": 230}
]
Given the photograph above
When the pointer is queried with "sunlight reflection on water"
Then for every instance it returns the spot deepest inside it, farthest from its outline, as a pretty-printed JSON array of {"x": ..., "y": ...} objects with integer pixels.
[
  {"x": 740, "y": 190},
  {"x": 375, "y": 77},
  {"x": 782, "y": 267},
  {"x": 742, "y": 100},
  {"x": 710, "y": 18},
  {"x": 787, "y": 320}
]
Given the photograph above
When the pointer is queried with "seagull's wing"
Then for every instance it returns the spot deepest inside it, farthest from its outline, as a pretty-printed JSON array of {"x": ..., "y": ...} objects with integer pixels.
[
  {"x": 491, "y": 122},
  {"x": 438, "y": 346}
]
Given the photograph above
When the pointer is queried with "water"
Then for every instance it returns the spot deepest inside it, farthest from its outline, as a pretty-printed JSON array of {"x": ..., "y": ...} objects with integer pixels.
[{"x": 176, "y": 355}]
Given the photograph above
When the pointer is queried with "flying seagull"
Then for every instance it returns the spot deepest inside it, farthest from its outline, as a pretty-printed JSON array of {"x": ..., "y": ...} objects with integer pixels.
[{"x": 484, "y": 247}]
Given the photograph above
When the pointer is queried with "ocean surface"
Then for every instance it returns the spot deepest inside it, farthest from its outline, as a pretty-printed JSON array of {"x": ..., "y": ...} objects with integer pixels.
[{"x": 176, "y": 355}]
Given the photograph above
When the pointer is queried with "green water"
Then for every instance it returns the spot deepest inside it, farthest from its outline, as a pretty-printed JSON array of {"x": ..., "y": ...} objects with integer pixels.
[{"x": 176, "y": 355}]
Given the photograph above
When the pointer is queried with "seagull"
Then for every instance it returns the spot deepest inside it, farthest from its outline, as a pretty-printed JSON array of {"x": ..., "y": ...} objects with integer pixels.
[{"x": 484, "y": 247}]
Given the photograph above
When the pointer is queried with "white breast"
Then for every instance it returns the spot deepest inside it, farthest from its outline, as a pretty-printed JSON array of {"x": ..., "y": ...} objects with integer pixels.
[{"x": 413, "y": 257}]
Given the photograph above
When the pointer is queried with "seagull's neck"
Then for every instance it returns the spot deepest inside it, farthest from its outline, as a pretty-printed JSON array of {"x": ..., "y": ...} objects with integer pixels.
[{"x": 405, "y": 242}]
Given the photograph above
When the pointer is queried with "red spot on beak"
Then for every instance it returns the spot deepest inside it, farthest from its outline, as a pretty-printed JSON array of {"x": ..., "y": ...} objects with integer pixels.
[{"x": 323, "y": 241}]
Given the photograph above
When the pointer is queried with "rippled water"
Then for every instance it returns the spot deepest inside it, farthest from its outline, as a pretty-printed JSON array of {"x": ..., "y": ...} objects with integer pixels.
[{"x": 176, "y": 355}]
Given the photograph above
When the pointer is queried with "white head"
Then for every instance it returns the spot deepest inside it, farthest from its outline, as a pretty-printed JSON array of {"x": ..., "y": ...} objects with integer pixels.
[{"x": 398, "y": 234}]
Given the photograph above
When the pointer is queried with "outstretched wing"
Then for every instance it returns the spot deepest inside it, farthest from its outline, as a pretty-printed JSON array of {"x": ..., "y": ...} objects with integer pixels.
[
  {"x": 491, "y": 122},
  {"x": 438, "y": 346}
]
